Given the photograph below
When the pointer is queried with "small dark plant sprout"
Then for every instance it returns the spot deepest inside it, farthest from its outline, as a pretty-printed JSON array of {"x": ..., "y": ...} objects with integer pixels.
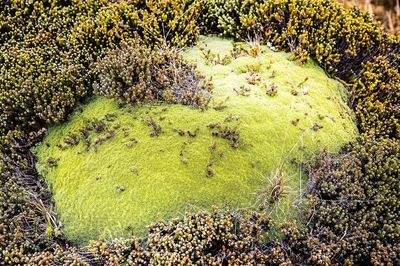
[
  {"x": 117, "y": 126},
  {"x": 134, "y": 169},
  {"x": 129, "y": 228},
  {"x": 254, "y": 78},
  {"x": 189, "y": 133},
  {"x": 255, "y": 48},
  {"x": 316, "y": 127},
  {"x": 181, "y": 132},
  {"x": 226, "y": 132},
  {"x": 206, "y": 53},
  {"x": 98, "y": 125},
  {"x": 125, "y": 131},
  {"x": 110, "y": 117},
  {"x": 61, "y": 147},
  {"x": 194, "y": 133},
  {"x": 214, "y": 59},
  {"x": 109, "y": 135},
  {"x": 243, "y": 91},
  {"x": 87, "y": 143},
  {"x": 231, "y": 118},
  {"x": 272, "y": 90},
  {"x": 295, "y": 121},
  {"x": 254, "y": 67},
  {"x": 120, "y": 188},
  {"x": 237, "y": 50},
  {"x": 155, "y": 127},
  {"x": 72, "y": 139},
  {"x": 131, "y": 142},
  {"x": 214, "y": 156},
  {"x": 274, "y": 191},
  {"x": 182, "y": 153},
  {"x": 52, "y": 162},
  {"x": 214, "y": 125},
  {"x": 84, "y": 132},
  {"x": 210, "y": 170},
  {"x": 224, "y": 60}
]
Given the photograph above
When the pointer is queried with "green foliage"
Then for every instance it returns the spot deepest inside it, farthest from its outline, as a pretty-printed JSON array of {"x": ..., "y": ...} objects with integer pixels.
[
  {"x": 23, "y": 202},
  {"x": 103, "y": 25},
  {"x": 231, "y": 18},
  {"x": 38, "y": 86},
  {"x": 61, "y": 255},
  {"x": 216, "y": 238},
  {"x": 28, "y": 21},
  {"x": 156, "y": 22},
  {"x": 169, "y": 21},
  {"x": 376, "y": 98},
  {"x": 353, "y": 209}
]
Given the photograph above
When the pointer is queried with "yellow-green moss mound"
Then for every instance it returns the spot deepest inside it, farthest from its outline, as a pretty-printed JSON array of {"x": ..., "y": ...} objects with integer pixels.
[{"x": 137, "y": 165}]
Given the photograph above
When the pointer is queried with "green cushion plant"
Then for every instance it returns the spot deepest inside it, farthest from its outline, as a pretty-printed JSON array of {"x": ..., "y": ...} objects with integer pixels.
[{"x": 130, "y": 166}]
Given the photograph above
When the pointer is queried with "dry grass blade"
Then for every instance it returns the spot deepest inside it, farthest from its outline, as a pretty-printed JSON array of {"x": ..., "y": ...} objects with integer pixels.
[{"x": 275, "y": 190}]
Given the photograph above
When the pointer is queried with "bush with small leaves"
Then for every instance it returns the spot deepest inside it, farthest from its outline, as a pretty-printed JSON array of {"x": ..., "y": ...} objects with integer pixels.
[
  {"x": 134, "y": 73},
  {"x": 156, "y": 22},
  {"x": 376, "y": 98},
  {"x": 26, "y": 223},
  {"x": 169, "y": 21},
  {"x": 216, "y": 238},
  {"x": 233, "y": 18},
  {"x": 38, "y": 86},
  {"x": 352, "y": 217}
]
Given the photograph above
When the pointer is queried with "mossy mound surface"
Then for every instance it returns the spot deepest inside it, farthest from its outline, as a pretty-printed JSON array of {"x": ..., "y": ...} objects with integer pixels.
[{"x": 115, "y": 170}]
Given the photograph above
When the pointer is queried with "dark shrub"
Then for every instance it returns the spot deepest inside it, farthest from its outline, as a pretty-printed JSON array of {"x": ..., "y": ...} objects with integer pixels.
[
  {"x": 38, "y": 86},
  {"x": 354, "y": 206},
  {"x": 220, "y": 237},
  {"x": 134, "y": 73}
]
